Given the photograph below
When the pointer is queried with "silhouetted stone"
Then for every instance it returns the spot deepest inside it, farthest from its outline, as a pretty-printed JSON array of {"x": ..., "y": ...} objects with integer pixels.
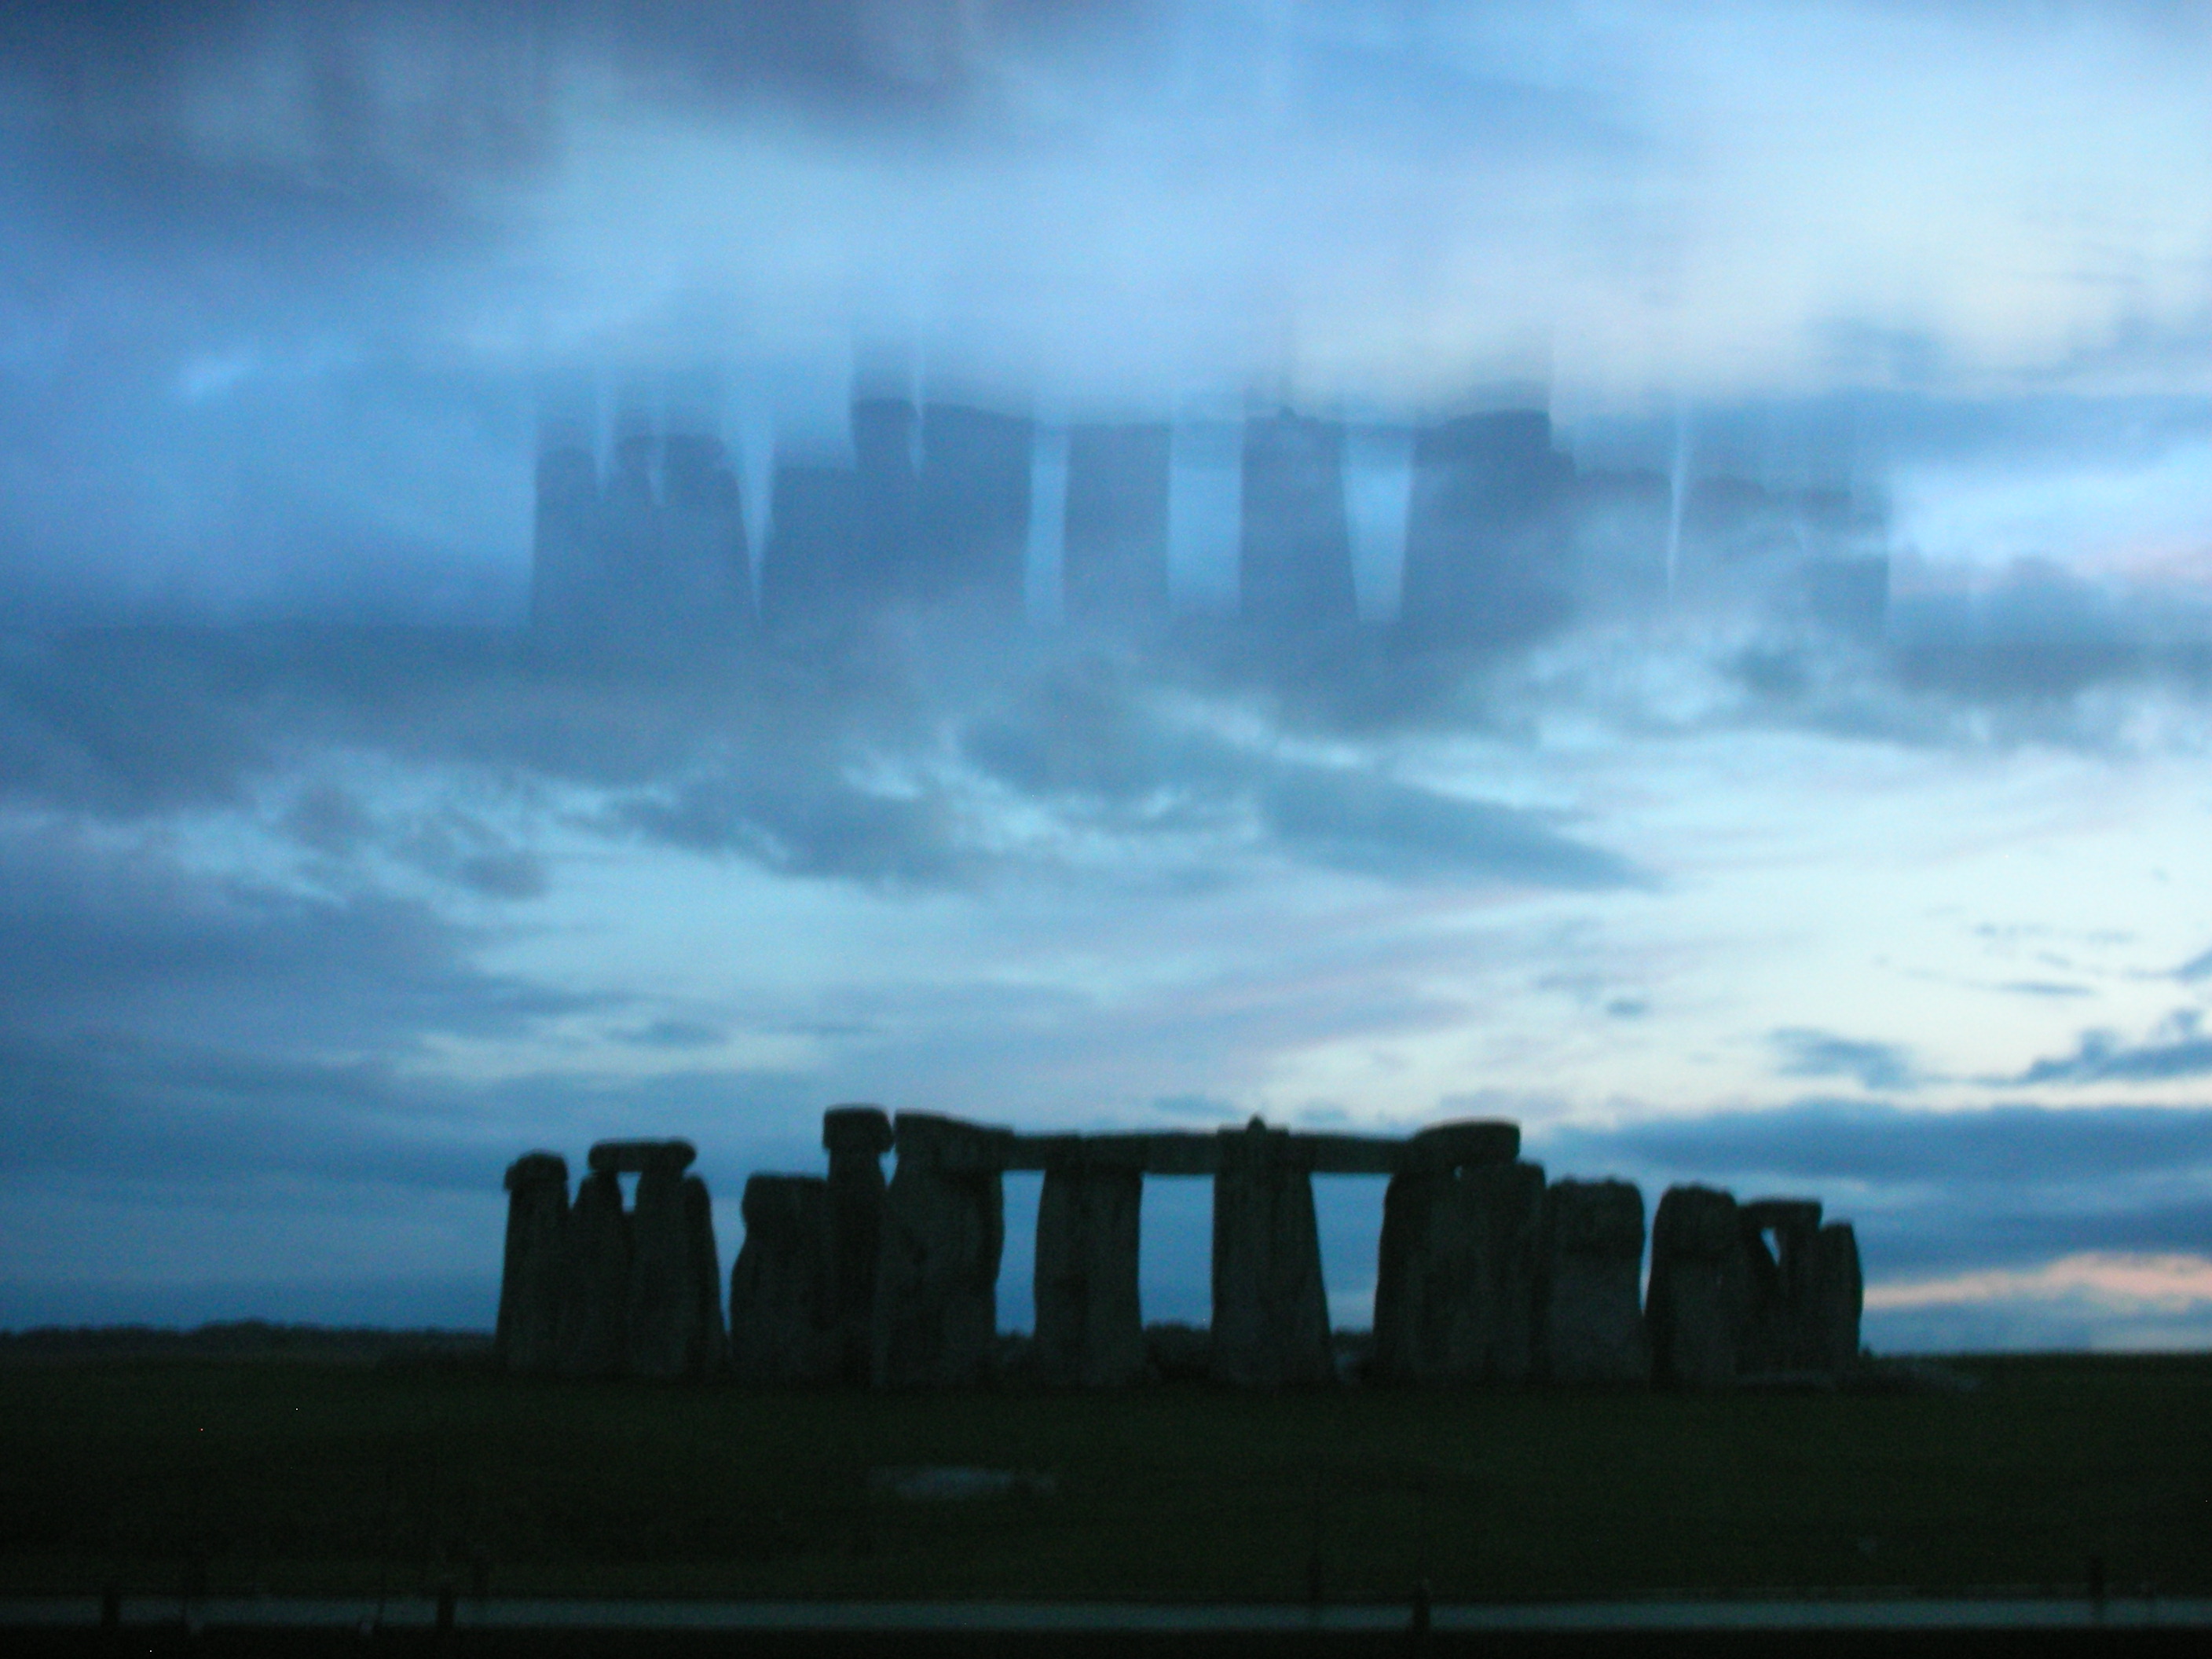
[
  {"x": 1456, "y": 1290},
  {"x": 713, "y": 1349},
  {"x": 638, "y": 1156},
  {"x": 663, "y": 1313},
  {"x": 1837, "y": 1294},
  {"x": 1089, "y": 1331},
  {"x": 1590, "y": 1273},
  {"x": 1780, "y": 1333},
  {"x": 856, "y": 1137},
  {"x": 595, "y": 1309},
  {"x": 944, "y": 1225},
  {"x": 528, "y": 1338},
  {"x": 1467, "y": 1141},
  {"x": 1698, "y": 1309},
  {"x": 783, "y": 1305},
  {"x": 1270, "y": 1312}
]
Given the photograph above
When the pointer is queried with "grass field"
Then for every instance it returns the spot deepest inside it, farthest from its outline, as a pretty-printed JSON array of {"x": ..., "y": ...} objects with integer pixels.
[{"x": 300, "y": 1477}]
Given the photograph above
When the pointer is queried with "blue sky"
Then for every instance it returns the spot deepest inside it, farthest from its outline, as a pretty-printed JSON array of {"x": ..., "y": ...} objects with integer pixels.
[{"x": 319, "y": 902}]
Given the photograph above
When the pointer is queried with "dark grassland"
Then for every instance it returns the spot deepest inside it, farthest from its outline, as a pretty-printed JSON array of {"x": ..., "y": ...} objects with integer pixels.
[{"x": 294, "y": 1475}]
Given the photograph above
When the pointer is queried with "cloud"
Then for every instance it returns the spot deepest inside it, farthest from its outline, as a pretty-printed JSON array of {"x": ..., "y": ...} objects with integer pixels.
[
  {"x": 1122, "y": 755},
  {"x": 1938, "y": 1194},
  {"x": 2103, "y": 1057},
  {"x": 93, "y": 938},
  {"x": 2106, "y": 1300},
  {"x": 1871, "y": 1142},
  {"x": 1376, "y": 826},
  {"x": 2157, "y": 1284},
  {"x": 1877, "y": 1066}
]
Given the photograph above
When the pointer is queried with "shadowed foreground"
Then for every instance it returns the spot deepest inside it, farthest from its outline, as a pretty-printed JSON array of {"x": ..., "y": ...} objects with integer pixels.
[{"x": 212, "y": 1478}]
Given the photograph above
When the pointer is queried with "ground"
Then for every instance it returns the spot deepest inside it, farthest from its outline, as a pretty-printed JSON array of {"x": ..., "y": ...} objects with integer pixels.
[{"x": 325, "y": 1473}]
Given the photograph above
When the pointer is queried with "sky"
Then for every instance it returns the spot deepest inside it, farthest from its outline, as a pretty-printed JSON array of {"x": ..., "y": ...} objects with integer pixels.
[{"x": 322, "y": 896}]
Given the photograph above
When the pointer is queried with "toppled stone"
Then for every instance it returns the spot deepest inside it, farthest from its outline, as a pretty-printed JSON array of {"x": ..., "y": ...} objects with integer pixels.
[
  {"x": 637, "y": 1157},
  {"x": 944, "y": 1225},
  {"x": 1270, "y": 1313},
  {"x": 1176, "y": 1352},
  {"x": 594, "y": 1310},
  {"x": 856, "y": 1137},
  {"x": 783, "y": 1303},
  {"x": 944, "y": 1484},
  {"x": 1455, "y": 1293},
  {"x": 528, "y": 1338},
  {"x": 1699, "y": 1309},
  {"x": 1589, "y": 1275},
  {"x": 1901, "y": 1375},
  {"x": 1090, "y": 1333}
]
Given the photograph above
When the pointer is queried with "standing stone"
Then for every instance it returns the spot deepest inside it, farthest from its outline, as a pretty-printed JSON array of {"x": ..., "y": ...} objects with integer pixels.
[
  {"x": 856, "y": 1139},
  {"x": 1455, "y": 1293},
  {"x": 1270, "y": 1312},
  {"x": 705, "y": 1273},
  {"x": 1780, "y": 1334},
  {"x": 529, "y": 1331},
  {"x": 936, "y": 1278},
  {"x": 664, "y": 1338},
  {"x": 1589, "y": 1273},
  {"x": 783, "y": 1304},
  {"x": 1090, "y": 1333},
  {"x": 1838, "y": 1297},
  {"x": 1698, "y": 1307},
  {"x": 594, "y": 1310}
]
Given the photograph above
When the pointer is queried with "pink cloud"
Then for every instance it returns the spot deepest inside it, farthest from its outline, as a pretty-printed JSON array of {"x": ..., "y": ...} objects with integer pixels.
[{"x": 2160, "y": 1284}]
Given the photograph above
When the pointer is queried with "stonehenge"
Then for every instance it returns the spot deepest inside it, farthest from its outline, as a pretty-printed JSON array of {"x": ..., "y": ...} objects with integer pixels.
[
  {"x": 1590, "y": 1259},
  {"x": 856, "y": 1137},
  {"x": 1270, "y": 1312},
  {"x": 1487, "y": 1275},
  {"x": 936, "y": 1320},
  {"x": 595, "y": 1290},
  {"x": 1760, "y": 1289},
  {"x": 592, "y": 1288},
  {"x": 1090, "y": 1333},
  {"x": 528, "y": 1335},
  {"x": 1456, "y": 1290},
  {"x": 784, "y": 1324}
]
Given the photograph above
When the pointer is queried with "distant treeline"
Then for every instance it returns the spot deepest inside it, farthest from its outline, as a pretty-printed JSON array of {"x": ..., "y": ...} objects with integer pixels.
[{"x": 242, "y": 1339}]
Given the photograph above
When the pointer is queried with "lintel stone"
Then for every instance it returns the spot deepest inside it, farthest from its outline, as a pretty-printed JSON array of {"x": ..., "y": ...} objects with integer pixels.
[
  {"x": 950, "y": 1144},
  {"x": 1781, "y": 1214},
  {"x": 637, "y": 1157},
  {"x": 857, "y": 1129},
  {"x": 1456, "y": 1144}
]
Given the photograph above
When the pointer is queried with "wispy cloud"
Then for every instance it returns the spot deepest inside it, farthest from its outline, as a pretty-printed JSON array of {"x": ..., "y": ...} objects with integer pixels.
[
  {"x": 2104, "y": 1057},
  {"x": 1877, "y": 1066}
]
